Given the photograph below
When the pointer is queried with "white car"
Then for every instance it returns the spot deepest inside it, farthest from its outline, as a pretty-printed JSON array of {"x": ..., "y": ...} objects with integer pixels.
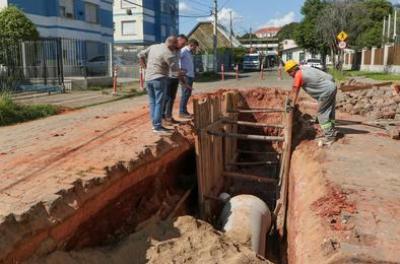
[{"x": 315, "y": 63}]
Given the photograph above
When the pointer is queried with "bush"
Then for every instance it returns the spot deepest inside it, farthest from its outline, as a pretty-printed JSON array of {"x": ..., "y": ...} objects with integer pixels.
[{"x": 12, "y": 113}]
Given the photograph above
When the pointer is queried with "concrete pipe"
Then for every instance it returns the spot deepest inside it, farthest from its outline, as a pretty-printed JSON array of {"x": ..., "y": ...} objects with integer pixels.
[{"x": 247, "y": 219}]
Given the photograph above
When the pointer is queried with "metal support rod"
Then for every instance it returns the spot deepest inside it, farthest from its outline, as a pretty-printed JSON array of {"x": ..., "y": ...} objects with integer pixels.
[
  {"x": 248, "y": 177},
  {"x": 253, "y": 163},
  {"x": 258, "y": 152},
  {"x": 244, "y": 123},
  {"x": 245, "y": 136},
  {"x": 260, "y": 110}
]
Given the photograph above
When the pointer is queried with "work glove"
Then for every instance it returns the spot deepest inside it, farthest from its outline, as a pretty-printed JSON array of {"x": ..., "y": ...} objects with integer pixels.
[{"x": 289, "y": 107}]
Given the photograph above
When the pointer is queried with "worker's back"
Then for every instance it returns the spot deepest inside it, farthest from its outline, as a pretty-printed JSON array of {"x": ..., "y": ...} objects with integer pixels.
[{"x": 316, "y": 83}]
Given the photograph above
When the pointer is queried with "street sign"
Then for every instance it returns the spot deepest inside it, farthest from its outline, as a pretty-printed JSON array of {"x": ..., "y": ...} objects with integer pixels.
[
  {"x": 342, "y": 36},
  {"x": 342, "y": 45}
]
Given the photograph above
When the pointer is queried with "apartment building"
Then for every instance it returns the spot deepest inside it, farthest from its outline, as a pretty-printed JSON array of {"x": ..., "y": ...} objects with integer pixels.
[
  {"x": 141, "y": 23},
  {"x": 87, "y": 22}
]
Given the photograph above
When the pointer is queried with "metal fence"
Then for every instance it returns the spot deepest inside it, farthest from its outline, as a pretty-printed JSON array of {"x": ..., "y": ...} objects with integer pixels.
[
  {"x": 42, "y": 65},
  {"x": 127, "y": 62}
]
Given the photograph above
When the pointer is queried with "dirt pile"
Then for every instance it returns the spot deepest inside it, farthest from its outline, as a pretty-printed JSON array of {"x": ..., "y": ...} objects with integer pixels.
[
  {"x": 187, "y": 240},
  {"x": 374, "y": 103}
]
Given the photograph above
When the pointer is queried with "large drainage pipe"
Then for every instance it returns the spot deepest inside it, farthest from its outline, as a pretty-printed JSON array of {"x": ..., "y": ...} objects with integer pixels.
[{"x": 247, "y": 219}]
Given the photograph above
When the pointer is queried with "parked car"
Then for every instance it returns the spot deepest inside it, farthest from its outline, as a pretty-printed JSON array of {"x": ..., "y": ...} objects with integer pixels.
[
  {"x": 315, "y": 63},
  {"x": 97, "y": 66},
  {"x": 252, "y": 62}
]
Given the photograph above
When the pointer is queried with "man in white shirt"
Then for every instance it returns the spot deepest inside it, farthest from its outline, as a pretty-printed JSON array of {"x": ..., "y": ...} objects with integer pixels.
[{"x": 187, "y": 66}]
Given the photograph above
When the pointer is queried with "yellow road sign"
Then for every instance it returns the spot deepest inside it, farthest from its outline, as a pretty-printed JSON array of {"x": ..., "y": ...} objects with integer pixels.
[{"x": 342, "y": 36}]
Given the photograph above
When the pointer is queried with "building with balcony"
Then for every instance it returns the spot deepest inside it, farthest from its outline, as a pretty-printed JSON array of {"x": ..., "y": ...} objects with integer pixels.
[
  {"x": 141, "y": 23},
  {"x": 85, "y": 26}
]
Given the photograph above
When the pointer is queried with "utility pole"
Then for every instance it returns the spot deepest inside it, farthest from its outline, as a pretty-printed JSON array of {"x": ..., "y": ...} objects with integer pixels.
[
  {"x": 231, "y": 29},
  {"x": 251, "y": 38},
  {"x": 395, "y": 25},
  {"x": 384, "y": 31},
  {"x": 389, "y": 25},
  {"x": 215, "y": 46}
]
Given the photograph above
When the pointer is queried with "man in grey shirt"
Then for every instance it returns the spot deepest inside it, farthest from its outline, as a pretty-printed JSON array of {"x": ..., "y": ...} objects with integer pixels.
[{"x": 159, "y": 60}]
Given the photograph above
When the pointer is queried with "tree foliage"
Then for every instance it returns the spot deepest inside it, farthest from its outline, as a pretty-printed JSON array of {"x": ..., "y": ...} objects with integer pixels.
[
  {"x": 306, "y": 34},
  {"x": 14, "y": 24},
  {"x": 249, "y": 36},
  {"x": 288, "y": 31},
  {"x": 366, "y": 28}
]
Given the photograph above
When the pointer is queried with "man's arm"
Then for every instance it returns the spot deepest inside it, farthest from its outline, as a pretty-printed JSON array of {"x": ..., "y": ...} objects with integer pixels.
[
  {"x": 143, "y": 56},
  {"x": 297, "y": 84}
]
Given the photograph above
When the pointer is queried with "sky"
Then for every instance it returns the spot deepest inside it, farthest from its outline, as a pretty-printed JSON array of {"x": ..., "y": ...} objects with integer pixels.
[{"x": 245, "y": 13}]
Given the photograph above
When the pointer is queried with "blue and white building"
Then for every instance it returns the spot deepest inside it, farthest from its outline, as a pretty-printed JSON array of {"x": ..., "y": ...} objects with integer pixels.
[
  {"x": 88, "y": 22},
  {"x": 145, "y": 22}
]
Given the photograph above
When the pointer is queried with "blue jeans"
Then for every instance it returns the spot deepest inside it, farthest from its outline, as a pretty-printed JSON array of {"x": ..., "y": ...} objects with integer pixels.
[
  {"x": 156, "y": 90},
  {"x": 186, "y": 93}
]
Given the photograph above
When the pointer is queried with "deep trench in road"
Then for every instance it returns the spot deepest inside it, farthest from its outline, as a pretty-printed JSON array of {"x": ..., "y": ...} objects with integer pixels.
[{"x": 126, "y": 226}]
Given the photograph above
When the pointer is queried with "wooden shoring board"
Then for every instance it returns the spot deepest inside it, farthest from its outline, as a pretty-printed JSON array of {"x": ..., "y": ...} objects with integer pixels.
[
  {"x": 282, "y": 203},
  {"x": 209, "y": 151}
]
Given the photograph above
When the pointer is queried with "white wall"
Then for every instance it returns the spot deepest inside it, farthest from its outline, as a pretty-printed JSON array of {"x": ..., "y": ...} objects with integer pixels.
[{"x": 120, "y": 15}]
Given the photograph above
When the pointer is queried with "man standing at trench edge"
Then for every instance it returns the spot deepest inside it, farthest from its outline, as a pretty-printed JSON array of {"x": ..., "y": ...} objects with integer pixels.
[
  {"x": 172, "y": 89},
  {"x": 187, "y": 65},
  {"x": 322, "y": 87},
  {"x": 159, "y": 60}
]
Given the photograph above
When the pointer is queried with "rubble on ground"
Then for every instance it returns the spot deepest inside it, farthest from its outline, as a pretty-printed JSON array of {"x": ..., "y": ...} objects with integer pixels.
[{"x": 374, "y": 103}]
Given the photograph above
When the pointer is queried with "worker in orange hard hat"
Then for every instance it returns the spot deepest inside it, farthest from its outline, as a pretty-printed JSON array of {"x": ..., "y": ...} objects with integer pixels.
[{"x": 322, "y": 87}]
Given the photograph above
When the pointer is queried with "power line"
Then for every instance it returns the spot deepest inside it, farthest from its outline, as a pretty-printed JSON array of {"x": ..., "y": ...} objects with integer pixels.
[
  {"x": 189, "y": 15},
  {"x": 200, "y": 3}
]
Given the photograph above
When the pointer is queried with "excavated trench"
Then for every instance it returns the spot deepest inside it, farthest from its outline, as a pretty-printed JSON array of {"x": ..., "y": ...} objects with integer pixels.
[{"x": 139, "y": 211}]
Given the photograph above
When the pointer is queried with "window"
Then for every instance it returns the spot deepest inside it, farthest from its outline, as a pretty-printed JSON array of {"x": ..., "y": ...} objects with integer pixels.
[
  {"x": 128, "y": 4},
  {"x": 289, "y": 56},
  {"x": 128, "y": 28},
  {"x": 67, "y": 8},
  {"x": 91, "y": 13}
]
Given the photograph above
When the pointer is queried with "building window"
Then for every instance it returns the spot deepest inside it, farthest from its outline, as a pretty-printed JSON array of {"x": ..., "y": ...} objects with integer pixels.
[
  {"x": 91, "y": 11},
  {"x": 67, "y": 8},
  {"x": 126, "y": 4},
  {"x": 128, "y": 28},
  {"x": 289, "y": 56}
]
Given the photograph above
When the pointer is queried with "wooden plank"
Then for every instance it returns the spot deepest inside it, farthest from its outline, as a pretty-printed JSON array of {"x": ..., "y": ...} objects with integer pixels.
[
  {"x": 284, "y": 181},
  {"x": 179, "y": 204}
]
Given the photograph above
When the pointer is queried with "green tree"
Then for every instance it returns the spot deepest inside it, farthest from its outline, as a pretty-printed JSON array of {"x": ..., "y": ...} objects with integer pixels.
[
  {"x": 306, "y": 35},
  {"x": 248, "y": 36},
  {"x": 288, "y": 31},
  {"x": 366, "y": 28},
  {"x": 14, "y": 24}
]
